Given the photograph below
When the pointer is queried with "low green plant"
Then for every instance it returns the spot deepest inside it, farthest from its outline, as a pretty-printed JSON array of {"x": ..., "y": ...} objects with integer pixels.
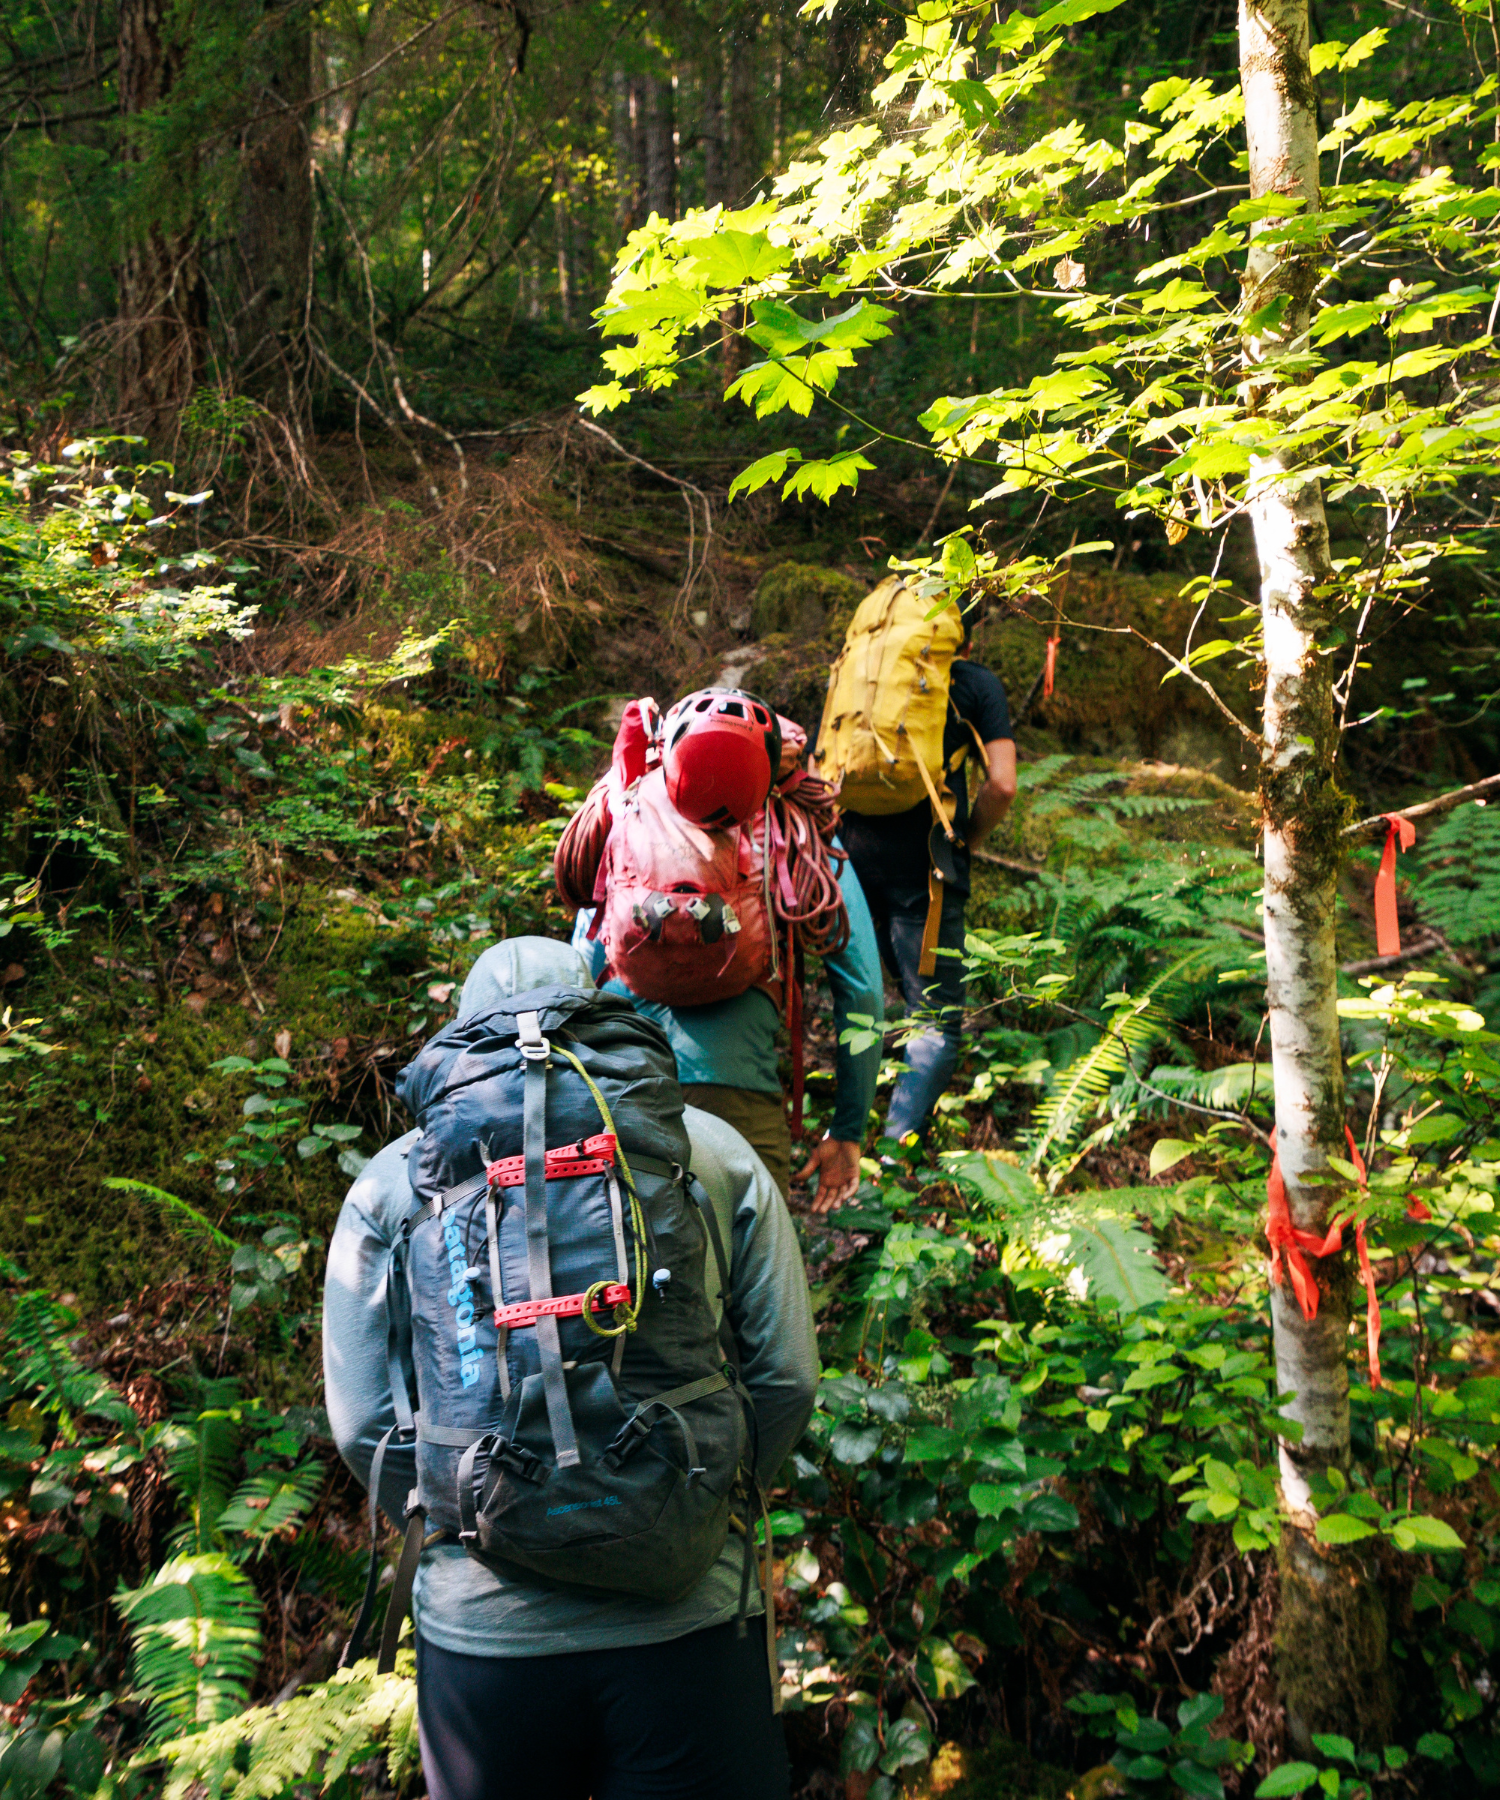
[
  {"x": 1353, "y": 1774},
  {"x": 1155, "y": 1759}
]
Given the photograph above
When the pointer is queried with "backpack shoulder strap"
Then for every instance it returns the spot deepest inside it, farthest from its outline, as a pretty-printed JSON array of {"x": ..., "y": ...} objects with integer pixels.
[
  {"x": 701, "y": 1199},
  {"x": 398, "y": 1363}
]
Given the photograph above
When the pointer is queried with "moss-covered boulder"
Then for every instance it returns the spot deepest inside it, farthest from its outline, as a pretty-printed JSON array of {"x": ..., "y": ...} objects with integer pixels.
[{"x": 802, "y": 601}]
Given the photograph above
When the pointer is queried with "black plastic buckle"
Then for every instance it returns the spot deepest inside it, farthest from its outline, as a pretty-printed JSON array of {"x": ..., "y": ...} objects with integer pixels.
[
  {"x": 628, "y": 1439},
  {"x": 519, "y": 1462}
]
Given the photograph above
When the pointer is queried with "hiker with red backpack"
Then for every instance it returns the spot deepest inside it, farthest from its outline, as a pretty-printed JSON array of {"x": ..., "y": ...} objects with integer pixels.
[
  {"x": 567, "y": 1337},
  {"x": 704, "y": 866},
  {"x": 905, "y": 711}
]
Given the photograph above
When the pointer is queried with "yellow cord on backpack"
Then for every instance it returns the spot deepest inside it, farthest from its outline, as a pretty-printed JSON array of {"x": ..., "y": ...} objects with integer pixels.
[{"x": 626, "y": 1317}]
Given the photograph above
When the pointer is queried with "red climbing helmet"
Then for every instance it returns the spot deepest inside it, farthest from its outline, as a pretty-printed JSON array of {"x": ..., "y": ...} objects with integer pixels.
[{"x": 721, "y": 749}]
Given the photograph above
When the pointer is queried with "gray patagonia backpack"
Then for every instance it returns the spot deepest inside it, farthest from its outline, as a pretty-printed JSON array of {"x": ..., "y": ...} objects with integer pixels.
[{"x": 577, "y": 1414}]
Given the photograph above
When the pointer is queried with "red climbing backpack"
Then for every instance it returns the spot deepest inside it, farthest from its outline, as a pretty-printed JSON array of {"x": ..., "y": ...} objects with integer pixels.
[
  {"x": 682, "y": 910},
  {"x": 690, "y": 914}
]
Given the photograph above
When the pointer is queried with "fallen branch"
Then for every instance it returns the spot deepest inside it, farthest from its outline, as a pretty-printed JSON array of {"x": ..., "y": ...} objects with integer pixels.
[
  {"x": 1004, "y": 862},
  {"x": 1476, "y": 790},
  {"x": 1371, "y": 965}
]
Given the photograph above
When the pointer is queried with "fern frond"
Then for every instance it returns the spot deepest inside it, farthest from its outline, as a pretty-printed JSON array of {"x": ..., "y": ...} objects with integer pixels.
[
  {"x": 1235, "y": 1086},
  {"x": 1090, "y": 1233},
  {"x": 202, "y": 1454},
  {"x": 318, "y": 1734},
  {"x": 193, "y": 1222},
  {"x": 195, "y": 1630},
  {"x": 1137, "y": 1023},
  {"x": 269, "y": 1503},
  {"x": 1457, "y": 887},
  {"x": 1155, "y": 806},
  {"x": 41, "y": 1330}
]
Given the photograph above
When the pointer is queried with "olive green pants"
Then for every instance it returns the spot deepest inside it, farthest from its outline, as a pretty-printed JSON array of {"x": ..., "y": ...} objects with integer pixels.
[{"x": 759, "y": 1118}]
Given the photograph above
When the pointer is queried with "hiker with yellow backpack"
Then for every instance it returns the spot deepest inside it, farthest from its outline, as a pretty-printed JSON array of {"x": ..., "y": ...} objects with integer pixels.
[{"x": 905, "y": 711}]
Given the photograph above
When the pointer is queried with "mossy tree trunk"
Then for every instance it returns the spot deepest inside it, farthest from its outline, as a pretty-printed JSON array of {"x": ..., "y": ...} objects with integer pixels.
[
  {"x": 163, "y": 311},
  {"x": 276, "y": 210},
  {"x": 1332, "y": 1639}
]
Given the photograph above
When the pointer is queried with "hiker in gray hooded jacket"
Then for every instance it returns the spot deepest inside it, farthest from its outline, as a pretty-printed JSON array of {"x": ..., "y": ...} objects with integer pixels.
[{"x": 524, "y": 1687}]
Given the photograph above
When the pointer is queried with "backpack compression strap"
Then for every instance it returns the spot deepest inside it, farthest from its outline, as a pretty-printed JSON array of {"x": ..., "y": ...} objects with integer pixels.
[
  {"x": 927, "y": 962},
  {"x": 536, "y": 1050}
]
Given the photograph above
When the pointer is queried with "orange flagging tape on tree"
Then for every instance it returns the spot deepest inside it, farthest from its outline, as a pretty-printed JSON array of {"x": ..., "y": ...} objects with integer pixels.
[
  {"x": 1288, "y": 1241},
  {"x": 1049, "y": 673},
  {"x": 1387, "y": 927}
]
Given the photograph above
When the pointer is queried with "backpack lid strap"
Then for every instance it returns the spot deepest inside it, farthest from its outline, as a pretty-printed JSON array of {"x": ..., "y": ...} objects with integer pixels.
[{"x": 538, "y": 1244}]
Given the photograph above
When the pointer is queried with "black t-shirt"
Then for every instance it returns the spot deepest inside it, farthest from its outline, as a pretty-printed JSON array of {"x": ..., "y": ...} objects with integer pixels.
[{"x": 978, "y": 700}]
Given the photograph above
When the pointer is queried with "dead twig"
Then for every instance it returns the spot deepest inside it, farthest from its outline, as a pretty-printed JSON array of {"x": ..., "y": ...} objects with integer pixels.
[
  {"x": 1379, "y": 822},
  {"x": 697, "y": 559}
]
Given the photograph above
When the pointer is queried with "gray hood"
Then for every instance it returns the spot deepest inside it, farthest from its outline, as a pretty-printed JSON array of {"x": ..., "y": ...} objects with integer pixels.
[{"x": 516, "y": 966}]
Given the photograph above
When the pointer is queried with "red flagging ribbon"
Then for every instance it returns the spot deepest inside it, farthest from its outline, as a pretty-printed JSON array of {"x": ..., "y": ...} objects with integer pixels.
[
  {"x": 1296, "y": 1245},
  {"x": 1049, "y": 673},
  {"x": 1387, "y": 928}
]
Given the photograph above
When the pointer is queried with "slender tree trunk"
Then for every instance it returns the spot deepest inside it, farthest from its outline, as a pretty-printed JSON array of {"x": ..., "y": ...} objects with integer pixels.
[
  {"x": 744, "y": 164},
  {"x": 661, "y": 148},
  {"x": 276, "y": 220},
  {"x": 163, "y": 310},
  {"x": 561, "y": 221},
  {"x": 1332, "y": 1638},
  {"x": 715, "y": 161}
]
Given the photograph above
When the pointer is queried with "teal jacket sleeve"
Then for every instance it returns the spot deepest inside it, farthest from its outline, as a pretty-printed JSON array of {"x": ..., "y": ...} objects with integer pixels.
[
  {"x": 858, "y": 990},
  {"x": 356, "y": 1379},
  {"x": 770, "y": 1309}
]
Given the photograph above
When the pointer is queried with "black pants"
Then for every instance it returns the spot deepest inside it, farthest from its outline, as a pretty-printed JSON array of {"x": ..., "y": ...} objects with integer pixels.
[
  {"x": 689, "y": 1719},
  {"x": 896, "y": 889}
]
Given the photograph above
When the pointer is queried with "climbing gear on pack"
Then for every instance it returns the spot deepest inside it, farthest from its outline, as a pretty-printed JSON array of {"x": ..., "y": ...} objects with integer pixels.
[
  {"x": 690, "y": 915},
  {"x": 576, "y": 1417},
  {"x": 720, "y": 752},
  {"x": 880, "y": 745}
]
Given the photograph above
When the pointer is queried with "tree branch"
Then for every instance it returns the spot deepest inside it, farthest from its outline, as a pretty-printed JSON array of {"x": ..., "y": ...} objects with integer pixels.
[{"x": 1476, "y": 790}]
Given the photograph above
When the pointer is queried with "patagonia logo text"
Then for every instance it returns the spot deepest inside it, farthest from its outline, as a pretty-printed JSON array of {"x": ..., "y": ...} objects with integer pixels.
[{"x": 461, "y": 1299}]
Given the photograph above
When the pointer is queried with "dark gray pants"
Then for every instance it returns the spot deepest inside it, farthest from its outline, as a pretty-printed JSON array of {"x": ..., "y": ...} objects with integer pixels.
[{"x": 689, "y": 1719}]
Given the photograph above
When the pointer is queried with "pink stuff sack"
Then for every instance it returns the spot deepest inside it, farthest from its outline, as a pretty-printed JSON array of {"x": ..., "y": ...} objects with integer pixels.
[{"x": 682, "y": 910}]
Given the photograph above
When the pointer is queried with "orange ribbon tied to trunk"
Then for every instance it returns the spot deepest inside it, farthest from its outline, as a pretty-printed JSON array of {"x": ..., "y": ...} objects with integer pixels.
[
  {"x": 1387, "y": 926},
  {"x": 1295, "y": 1245},
  {"x": 1049, "y": 672}
]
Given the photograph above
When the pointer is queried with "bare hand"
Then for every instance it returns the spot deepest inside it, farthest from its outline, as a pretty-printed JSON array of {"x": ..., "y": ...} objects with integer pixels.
[{"x": 836, "y": 1164}]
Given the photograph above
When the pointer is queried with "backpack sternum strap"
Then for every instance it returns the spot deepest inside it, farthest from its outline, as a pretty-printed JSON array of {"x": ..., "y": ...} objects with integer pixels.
[{"x": 535, "y": 1049}]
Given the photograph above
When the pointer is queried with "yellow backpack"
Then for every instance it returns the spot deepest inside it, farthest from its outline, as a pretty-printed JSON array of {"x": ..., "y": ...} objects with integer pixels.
[{"x": 881, "y": 742}]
